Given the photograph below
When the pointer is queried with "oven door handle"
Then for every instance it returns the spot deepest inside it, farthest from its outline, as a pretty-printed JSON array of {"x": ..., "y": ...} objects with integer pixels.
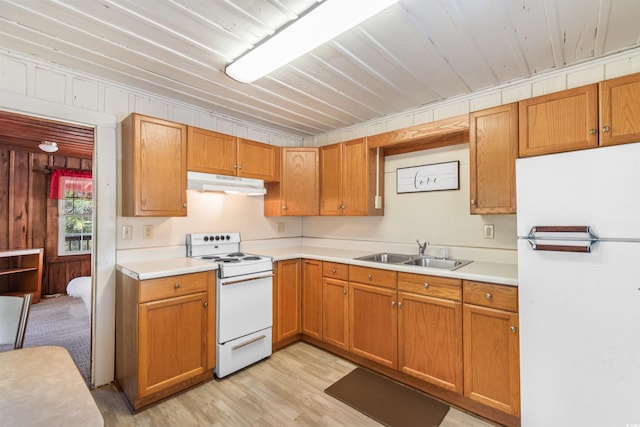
[
  {"x": 251, "y": 341},
  {"x": 233, "y": 282}
]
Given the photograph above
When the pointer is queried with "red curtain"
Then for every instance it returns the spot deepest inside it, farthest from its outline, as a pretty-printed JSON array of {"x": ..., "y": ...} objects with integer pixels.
[{"x": 63, "y": 180}]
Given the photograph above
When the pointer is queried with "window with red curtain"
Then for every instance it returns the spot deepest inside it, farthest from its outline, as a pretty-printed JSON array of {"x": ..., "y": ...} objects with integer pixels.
[{"x": 74, "y": 191}]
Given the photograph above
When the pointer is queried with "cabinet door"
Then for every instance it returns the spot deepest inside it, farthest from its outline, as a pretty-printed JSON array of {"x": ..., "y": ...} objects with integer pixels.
[
  {"x": 211, "y": 152},
  {"x": 492, "y": 358},
  {"x": 288, "y": 294},
  {"x": 312, "y": 298},
  {"x": 620, "y": 110},
  {"x": 561, "y": 121},
  {"x": 300, "y": 181},
  {"x": 430, "y": 340},
  {"x": 373, "y": 321},
  {"x": 335, "y": 312},
  {"x": 172, "y": 342},
  {"x": 331, "y": 179},
  {"x": 493, "y": 150},
  {"x": 258, "y": 160},
  {"x": 152, "y": 150},
  {"x": 355, "y": 177}
]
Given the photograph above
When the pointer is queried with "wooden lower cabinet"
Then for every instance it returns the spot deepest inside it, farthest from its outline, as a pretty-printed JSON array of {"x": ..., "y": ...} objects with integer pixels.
[
  {"x": 430, "y": 329},
  {"x": 491, "y": 346},
  {"x": 165, "y": 335},
  {"x": 312, "y": 298},
  {"x": 286, "y": 301},
  {"x": 335, "y": 312},
  {"x": 373, "y": 317}
]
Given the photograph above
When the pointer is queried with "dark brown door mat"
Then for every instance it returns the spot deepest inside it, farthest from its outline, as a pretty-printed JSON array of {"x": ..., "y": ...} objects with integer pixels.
[{"x": 387, "y": 401}]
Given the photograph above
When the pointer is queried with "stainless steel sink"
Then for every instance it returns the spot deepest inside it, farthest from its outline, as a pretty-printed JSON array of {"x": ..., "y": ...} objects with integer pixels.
[
  {"x": 387, "y": 258},
  {"x": 417, "y": 260},
  {"x": 447, "y": 264}
]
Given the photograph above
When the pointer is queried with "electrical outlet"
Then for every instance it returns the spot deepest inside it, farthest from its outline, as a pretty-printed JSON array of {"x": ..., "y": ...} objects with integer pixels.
[
  {"x": 127, "y": 231},
  {"x": 488, "y": 231},
  {"x": 147, "y": 232},
  {"x": 280, "y": 227}
]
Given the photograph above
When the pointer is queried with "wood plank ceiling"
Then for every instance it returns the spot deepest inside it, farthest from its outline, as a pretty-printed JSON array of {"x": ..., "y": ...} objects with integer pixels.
[{"x": 414, "y": 53}]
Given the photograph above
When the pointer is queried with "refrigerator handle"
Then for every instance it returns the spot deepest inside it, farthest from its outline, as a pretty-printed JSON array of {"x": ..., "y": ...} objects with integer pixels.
[{"x": 590, "y": 238}]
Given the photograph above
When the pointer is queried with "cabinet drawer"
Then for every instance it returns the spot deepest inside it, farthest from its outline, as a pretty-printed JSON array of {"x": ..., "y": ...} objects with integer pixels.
[
  {"x": 490, "y": 295},
  {"x": 335, "y": 270},
  {"x": 373, "y": 276},
  {"x": 434, "y": 286},
  {"x": 172, "y": 286}
]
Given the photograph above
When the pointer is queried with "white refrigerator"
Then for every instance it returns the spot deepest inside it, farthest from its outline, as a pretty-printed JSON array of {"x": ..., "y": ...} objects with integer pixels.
[{"x": 579, "y": 287}]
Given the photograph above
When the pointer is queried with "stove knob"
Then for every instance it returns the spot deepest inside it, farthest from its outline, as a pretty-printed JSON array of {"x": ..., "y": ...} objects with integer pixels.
[
  {"x": 228, "y": 237},
  {"x": 217, "y": 238},
  {"x": 211, "y": 238},
  {"x": 206, "y": 238}
]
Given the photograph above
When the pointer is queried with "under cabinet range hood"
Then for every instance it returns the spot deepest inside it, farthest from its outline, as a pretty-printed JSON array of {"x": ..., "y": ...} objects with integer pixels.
[{"x": 225, "y": 184}]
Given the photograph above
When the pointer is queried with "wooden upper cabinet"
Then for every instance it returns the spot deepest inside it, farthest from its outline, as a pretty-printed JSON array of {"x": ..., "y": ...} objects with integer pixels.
[
  {"x": 297, "y": 193},
  {"x": 620, "y": 110},
  {"x": 213, "y": 152},
  {"x": 561, "y": 121},
  {"x": 258, "y": 160},
  {"x": 152, "y": 150},
  {"x": 348, "y": 179},
  {"x": 493, "y": 150}
]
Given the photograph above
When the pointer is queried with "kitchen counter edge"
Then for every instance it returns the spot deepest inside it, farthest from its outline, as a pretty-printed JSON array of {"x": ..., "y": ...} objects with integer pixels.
[{"x": 144, "y": 270}]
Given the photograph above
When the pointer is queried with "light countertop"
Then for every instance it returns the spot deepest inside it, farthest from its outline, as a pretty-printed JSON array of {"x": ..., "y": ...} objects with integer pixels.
[
  {"x": 493, "y": 272},
  {"x": 143, "y": 270},
  {"x": 500, "y": 273}
]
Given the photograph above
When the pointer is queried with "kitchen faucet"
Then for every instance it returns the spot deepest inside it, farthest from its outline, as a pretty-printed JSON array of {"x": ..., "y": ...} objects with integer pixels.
[{"x": 422, "y": 247}]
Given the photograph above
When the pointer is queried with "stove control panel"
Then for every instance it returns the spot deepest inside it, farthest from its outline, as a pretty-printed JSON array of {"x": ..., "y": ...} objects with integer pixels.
[{"x": 212, "y": 238}]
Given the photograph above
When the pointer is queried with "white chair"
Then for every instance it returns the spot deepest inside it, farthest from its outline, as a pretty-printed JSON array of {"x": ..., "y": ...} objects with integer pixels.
[{"x": 14, "y": 313}]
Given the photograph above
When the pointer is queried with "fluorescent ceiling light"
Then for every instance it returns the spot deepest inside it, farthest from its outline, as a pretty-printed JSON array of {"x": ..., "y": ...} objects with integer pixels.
[{"x": 323, "y": 23}]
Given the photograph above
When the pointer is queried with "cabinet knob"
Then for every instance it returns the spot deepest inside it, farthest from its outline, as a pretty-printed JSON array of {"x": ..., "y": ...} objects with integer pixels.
[
  {"x": 235, "y": 166},
  {"x": 333, "y": 270},
  {"x": 370, "y": 276},
  {"x": 393, "y": 303},
  {"x": 399, "y": 304},
  {"x": 488, "y": 295},
  {"x": 344, "y": 291},
  {"x": 593, "y": 131},
  {"x": 206, "y": 304},
  {"x": 176, "y": 286},
  {"x": 284, "y": 208},
  {"x": 606, "y": 129},
  {"x": 473, "y": 202},
  {"x": 513, "y": 329},
  {"x": 426, "y": 285},
  {"x": 239, "y": 166}
]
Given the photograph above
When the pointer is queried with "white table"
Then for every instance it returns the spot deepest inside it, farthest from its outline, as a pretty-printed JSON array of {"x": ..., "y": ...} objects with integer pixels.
[{"x": 42, "y": 386}]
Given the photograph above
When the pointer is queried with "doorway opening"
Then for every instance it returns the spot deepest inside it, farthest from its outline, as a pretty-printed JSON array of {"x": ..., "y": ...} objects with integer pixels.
[{"x": 30, "y": 217}]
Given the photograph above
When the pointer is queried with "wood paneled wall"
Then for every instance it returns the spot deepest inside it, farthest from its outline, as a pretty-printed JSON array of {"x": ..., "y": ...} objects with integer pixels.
[{"x": 29, "y": 219}]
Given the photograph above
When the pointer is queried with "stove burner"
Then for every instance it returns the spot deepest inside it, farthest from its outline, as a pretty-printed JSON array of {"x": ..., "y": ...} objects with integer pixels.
[
  {"x": 228, "y": 260},
  {"x": 235, "y": 254},
  {"x": 251, "y": 258},
  {"x": 209, "y": 257}
]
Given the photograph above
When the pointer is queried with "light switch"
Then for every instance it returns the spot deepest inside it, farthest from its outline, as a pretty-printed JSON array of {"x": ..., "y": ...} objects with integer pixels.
[
  {"x": 147, "y": 232},
  {"x": 127, "y": 231},
  {"x": 488, "y": 231}
]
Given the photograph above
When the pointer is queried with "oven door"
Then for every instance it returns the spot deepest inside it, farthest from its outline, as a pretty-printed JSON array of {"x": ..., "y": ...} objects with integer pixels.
[{"x": 244, "y": 305}]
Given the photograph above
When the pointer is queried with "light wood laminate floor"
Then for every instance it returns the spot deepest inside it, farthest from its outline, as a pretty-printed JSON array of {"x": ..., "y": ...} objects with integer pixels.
[{"x": 287, "y": 389}]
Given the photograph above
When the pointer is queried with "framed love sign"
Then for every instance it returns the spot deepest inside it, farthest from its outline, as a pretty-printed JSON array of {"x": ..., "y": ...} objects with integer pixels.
[{"x": 434, "y": 177}]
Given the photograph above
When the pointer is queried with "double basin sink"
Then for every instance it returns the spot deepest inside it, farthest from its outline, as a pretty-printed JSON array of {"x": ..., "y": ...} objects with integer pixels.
[{"x": 415, "y": 260}]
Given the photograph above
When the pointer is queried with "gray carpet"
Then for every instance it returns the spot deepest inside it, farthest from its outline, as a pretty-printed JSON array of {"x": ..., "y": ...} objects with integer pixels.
[{"x": 62, "y": 321}]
